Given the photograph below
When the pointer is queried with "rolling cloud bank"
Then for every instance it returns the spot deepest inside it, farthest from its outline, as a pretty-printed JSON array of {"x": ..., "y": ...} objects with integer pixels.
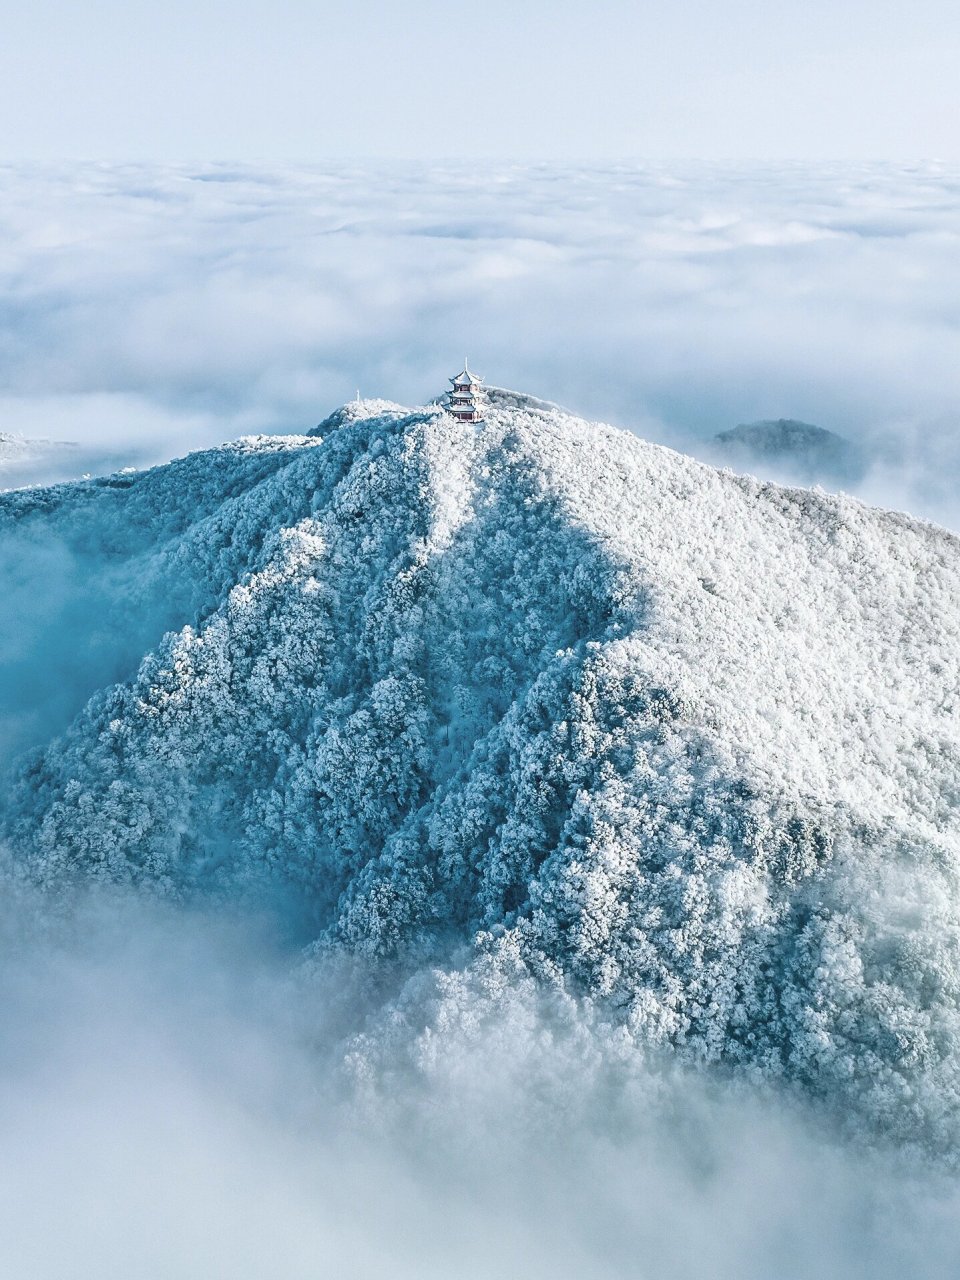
[{"x": 149, "y": 310}]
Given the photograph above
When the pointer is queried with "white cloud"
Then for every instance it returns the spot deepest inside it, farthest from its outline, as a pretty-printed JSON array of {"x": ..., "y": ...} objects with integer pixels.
[
  {"x": 169, "y": 1109},
  {"x": 683, "y": 300}
]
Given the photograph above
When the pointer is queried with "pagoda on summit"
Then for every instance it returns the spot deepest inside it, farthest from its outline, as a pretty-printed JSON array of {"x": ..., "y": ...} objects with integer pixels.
[{"x": 464, "y": 396}]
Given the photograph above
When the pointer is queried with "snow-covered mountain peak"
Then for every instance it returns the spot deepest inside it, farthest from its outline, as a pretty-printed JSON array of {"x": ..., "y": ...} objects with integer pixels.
[
  {"x": 683, "y": 742},
  {"x": 358, "y": 411}
]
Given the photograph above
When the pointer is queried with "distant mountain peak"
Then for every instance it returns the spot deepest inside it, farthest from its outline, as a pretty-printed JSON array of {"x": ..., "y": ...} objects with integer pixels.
[{"x": 794, "y": 450}]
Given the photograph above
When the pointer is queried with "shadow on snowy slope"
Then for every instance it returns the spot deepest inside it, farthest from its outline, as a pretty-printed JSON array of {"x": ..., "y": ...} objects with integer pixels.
[{"x": 345, "y": 683}]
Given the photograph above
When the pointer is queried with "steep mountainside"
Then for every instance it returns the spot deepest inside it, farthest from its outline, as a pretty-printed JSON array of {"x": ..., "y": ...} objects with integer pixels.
[{"x": 680, "y": 743}]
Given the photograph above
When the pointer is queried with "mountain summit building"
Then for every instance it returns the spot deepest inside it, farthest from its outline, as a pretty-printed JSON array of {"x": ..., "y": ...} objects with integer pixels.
[{"x": 465, "y": 396}]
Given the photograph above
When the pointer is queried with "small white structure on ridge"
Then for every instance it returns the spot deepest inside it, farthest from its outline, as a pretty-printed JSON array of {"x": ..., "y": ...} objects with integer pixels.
[{"x": 464, "y": 398}]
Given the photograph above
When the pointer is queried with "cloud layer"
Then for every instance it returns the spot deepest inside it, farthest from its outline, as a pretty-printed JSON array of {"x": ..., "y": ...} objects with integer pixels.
[
  {"x": 152, "y": 309},
  {"x": 167, "y": 1110}
]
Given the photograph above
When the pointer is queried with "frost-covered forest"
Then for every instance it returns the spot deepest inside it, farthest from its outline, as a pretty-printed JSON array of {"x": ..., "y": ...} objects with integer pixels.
[{"x": 532, "y": 712}]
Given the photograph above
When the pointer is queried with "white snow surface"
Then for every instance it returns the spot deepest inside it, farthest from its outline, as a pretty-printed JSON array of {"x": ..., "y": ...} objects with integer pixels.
[{"x": 531, "y": 704}]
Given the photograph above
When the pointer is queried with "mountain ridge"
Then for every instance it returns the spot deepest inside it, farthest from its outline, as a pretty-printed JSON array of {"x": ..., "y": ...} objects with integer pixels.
[{"x": 681, "y": 741}]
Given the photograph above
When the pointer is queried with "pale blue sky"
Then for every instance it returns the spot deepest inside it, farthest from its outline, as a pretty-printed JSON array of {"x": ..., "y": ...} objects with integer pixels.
[{"x": 290, "y": 79}]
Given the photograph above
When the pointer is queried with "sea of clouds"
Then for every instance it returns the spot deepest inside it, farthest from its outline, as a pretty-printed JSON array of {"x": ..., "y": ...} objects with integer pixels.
[
  {"x": 147, "y": 310},
  {"x": 172, "y": 1105}
]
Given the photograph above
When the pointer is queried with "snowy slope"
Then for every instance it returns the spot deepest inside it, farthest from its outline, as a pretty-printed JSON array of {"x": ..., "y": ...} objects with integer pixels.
[{"x": 679, "y": 743}]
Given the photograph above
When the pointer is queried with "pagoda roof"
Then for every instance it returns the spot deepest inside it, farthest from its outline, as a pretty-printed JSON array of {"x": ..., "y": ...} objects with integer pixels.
[{"x": 466, "y": 377}]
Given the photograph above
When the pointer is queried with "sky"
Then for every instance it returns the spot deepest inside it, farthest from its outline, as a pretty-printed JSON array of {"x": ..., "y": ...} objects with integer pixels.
[{"x": 545, "y": 79}]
